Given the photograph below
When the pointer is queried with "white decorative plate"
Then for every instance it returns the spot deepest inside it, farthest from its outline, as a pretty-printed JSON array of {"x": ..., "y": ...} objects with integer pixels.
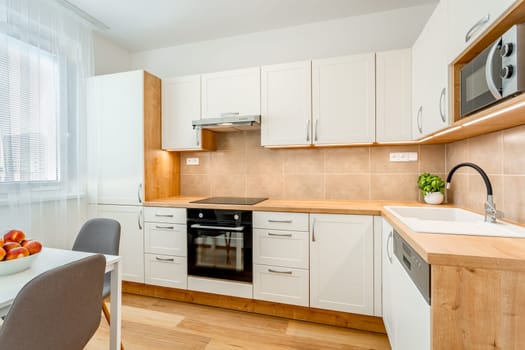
[{"x": 13, "y": 266}]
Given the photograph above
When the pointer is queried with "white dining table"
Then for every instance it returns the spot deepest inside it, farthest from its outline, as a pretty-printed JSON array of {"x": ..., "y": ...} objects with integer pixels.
[{"x": 50, "y": 258}]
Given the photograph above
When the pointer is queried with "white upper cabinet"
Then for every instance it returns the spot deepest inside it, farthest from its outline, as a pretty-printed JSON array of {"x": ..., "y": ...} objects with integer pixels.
[
  {"x": 181, "y": 103},
  {"x": 286, "y": 107},
  {"x": 468, "y": 19},
  {"x": 393, "y": 96},
  {"x": 116, "y": 145},
  {"x": 236, "y": 92},
  {"x": 430, "y": 75},
  {"x": 343, "y": 99}
]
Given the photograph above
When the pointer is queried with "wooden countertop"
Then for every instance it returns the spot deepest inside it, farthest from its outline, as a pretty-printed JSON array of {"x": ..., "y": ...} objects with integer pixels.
[{"x": 438, "y": 249}]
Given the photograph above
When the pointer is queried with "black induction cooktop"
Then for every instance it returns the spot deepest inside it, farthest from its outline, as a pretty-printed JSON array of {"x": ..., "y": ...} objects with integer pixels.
[{"x": 230, "y": 200}]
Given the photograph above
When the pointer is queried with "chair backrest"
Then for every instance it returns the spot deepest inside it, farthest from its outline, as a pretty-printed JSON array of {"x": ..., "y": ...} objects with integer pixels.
[
  {"x": 59, "y": 309},
  {"x": 99, "y": 235}
]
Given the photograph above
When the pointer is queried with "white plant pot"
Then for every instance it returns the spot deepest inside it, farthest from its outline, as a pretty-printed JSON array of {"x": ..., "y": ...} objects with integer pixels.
[{"x": 434, "y": 197}]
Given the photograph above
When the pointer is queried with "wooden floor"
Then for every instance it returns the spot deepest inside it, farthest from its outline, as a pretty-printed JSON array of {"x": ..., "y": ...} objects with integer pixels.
[{"x": 151, "y": 323}]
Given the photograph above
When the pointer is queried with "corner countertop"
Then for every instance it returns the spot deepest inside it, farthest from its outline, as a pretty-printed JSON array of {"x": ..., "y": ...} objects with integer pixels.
[{"x": 437, "y": 249}]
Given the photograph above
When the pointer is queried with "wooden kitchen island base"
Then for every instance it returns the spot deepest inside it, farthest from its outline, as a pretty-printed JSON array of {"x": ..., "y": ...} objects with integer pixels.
[{"x": 333, "y": 318}]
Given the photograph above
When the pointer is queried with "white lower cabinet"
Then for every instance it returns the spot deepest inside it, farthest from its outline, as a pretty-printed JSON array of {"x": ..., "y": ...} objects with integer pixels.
[
  {"x": 280, "y": 257},
  {"x": 342, "y": 263},
  {"x": 165, "y": 247},
  {"x": 131, "y": 237}
]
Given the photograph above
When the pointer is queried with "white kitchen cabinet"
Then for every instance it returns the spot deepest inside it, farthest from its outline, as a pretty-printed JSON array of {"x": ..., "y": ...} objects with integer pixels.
[
  {"x": 286, "y": 108},
  {"x": 430, "y": 74},
  {"x": 393, "y": 96},
  {"x": 469, "y": 19},
  {"x": 343, "y": 100},
  {"x": 116, "y": 142},
  {"x": 235, "y": 92},
  {"x": 281, "y": 257},
  {"x": 342, "y": 263},
  {"x": 131, "y": 237},
  {"x": 387, "y": 256},
  {"x": 181, "y": 104},
  {"x": 165, "y": 247}
]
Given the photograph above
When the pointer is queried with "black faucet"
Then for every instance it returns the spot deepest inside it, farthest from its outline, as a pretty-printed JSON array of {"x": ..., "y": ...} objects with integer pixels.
[{"x": 490, "y": 207}]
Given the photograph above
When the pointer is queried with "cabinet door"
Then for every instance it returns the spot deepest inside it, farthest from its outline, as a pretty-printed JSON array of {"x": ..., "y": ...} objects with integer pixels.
[
  {"x": 231, "y": 93},
  {"x": 281, "y": 248},
  {"x": 387, "y": 256},
  {"x": 393, "y": 96},
  {"x": 280, "y": 284},
  {"x": 181, "y": 104},
  {"x": 342, "y": 263},
  {"x": 286, "y": 107},
  {"x": 118, "y": 158},
  {"x": 163, "y": 238},
  {"x": 343, "y": 100},
  {"x": 166, "y": 271},
  {"x": 131, "y": 238}
]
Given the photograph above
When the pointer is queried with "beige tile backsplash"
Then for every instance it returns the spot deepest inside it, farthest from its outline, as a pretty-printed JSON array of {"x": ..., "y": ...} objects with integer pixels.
[{"x": 240, "y": 167}]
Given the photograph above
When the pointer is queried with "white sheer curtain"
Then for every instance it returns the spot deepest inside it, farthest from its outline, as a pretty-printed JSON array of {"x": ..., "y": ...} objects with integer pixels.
[{"x": 45, "y": 58}]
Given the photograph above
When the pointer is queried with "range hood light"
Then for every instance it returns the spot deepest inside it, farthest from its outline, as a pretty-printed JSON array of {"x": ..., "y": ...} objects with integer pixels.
[
  {"x": 229, "y": 123},
  {"x": 225, "y": 124}
]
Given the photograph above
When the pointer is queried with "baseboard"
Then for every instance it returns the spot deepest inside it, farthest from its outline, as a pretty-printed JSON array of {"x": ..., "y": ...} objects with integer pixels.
[{"x": 333, "y": 318}]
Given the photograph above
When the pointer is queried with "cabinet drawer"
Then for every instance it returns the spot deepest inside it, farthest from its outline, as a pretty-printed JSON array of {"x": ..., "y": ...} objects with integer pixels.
[
  {"x": 280, "y": 221},
  {"x": 281, "y": 285},
  {"x": 281, "y": 248},
  {"x": 166, "y": 271},
  {"x": 161, "y": 238},
  {"x": 158, "y": 214}
]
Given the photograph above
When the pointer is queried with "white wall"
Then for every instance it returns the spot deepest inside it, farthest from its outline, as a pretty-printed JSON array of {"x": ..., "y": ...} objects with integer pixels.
[
  {"x": 109, "y": 57},
  {"x": 367, "y": 33}
]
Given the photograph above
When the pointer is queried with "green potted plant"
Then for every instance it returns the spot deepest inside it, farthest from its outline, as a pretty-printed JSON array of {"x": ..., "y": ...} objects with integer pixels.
[{"x": 432, "y": 187}]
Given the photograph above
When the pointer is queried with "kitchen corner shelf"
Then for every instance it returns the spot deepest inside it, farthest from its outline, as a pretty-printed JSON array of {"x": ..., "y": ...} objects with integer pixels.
[{"x": 506, "y": 114}]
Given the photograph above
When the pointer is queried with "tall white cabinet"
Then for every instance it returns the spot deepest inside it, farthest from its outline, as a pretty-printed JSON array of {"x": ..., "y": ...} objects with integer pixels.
[
  {"x": 342, "y": 263},
  {"x": 343, "y": 99}
]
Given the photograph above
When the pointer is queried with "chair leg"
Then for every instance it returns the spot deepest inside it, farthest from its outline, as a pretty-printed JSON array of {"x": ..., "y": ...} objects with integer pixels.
[{"x": 106, "y": 313}]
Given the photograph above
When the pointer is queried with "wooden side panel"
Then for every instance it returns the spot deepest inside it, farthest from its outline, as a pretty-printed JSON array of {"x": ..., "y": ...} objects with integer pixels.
[
  {"x": 334, "y": 318},
  {"x": 477, "y": 309},
  {"x": 161, "y": 168}
]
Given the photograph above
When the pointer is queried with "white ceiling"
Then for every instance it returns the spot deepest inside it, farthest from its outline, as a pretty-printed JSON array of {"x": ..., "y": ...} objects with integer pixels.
[{"x": 139, "y": 25}]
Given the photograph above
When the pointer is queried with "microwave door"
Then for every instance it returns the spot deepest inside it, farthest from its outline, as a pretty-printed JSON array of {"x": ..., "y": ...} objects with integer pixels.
[{"x": 475, "y": 90}]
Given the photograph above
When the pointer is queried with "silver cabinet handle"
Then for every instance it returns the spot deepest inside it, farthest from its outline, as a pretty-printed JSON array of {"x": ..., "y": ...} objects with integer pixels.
[
  {"x": 280, "y": 221},
  {"x": 308, "y": 130},
  {"x": 139, "y": 193},
  {"x": 279, "y": 234},
  {"x": 225, "y": 114},
  {"x": 164, "y": 259},
  {"x": 477, "y": 26},
  {"x": 420, "y": 119},
  {"x": 140, "y": 219},
  {"x": 164, "y": 215},
  {"x": 388, "y": 240},
  {"x": 315, "y": 131},
  {"x": 165, "y": 227},
  {"x": 313, "y": 230},
  {"x": 221, "y": 228},
  {"x": 442, "y": 105},
  {"x": 288, "y": 272}
]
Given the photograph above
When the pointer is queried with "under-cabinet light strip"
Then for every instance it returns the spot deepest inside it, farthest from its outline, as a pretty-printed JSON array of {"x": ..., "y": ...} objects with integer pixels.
[{"x": 496, "y": 113}]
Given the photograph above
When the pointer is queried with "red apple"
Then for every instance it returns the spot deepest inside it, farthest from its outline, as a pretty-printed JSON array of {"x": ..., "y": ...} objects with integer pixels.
[
  {"x": 10, "y": 245},
  {"x": 2, "y": 253},
  {"x": 14, "y": 236},
  {"x": 16, "y": 253},
  {"x": 32, "y": 246}
]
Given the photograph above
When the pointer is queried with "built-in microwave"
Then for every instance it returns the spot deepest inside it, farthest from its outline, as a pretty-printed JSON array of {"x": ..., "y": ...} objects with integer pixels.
[{"x": 496, "y": 73}]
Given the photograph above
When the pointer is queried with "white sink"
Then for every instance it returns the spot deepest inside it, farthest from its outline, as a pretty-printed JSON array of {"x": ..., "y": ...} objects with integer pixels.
[{"x": 452, "y": 221}]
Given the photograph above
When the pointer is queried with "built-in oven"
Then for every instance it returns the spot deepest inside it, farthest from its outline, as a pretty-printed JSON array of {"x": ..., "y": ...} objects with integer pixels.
[
  {"x": 220, "y": 244},
  {"x": 494, "y": 74}
]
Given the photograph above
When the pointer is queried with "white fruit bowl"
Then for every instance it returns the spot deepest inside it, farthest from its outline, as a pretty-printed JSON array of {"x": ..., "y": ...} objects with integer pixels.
[{"x": 17, "y": 265}]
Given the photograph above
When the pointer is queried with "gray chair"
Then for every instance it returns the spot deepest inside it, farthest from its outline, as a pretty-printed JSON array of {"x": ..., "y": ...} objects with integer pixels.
[{"x": 59, "y": 309}]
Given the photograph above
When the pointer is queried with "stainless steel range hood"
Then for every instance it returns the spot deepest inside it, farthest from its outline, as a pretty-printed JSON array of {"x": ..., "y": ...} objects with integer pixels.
[{"x": 229, "y": 123}]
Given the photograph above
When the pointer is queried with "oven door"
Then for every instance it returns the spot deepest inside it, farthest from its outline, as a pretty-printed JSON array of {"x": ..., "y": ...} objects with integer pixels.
[
  {"x": 480, "y": 82},
  {"x": 220, "y": 252}
]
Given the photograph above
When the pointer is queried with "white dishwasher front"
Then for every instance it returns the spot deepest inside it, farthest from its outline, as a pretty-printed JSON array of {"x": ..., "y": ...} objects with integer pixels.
[{"x": 411, "y": 299}]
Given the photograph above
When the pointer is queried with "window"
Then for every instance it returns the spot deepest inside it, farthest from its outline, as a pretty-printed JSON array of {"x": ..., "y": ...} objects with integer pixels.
[{"x": 29, "y": 120}]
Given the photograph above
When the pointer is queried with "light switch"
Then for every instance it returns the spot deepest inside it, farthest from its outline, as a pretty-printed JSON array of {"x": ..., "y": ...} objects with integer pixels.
[{"x": 192, "y": 161}]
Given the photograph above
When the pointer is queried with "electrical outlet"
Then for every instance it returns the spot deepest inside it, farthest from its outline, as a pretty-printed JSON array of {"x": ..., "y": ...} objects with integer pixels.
[
  {"x": 192, "y": 161},
  {"x": 403, "y": 156}
]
